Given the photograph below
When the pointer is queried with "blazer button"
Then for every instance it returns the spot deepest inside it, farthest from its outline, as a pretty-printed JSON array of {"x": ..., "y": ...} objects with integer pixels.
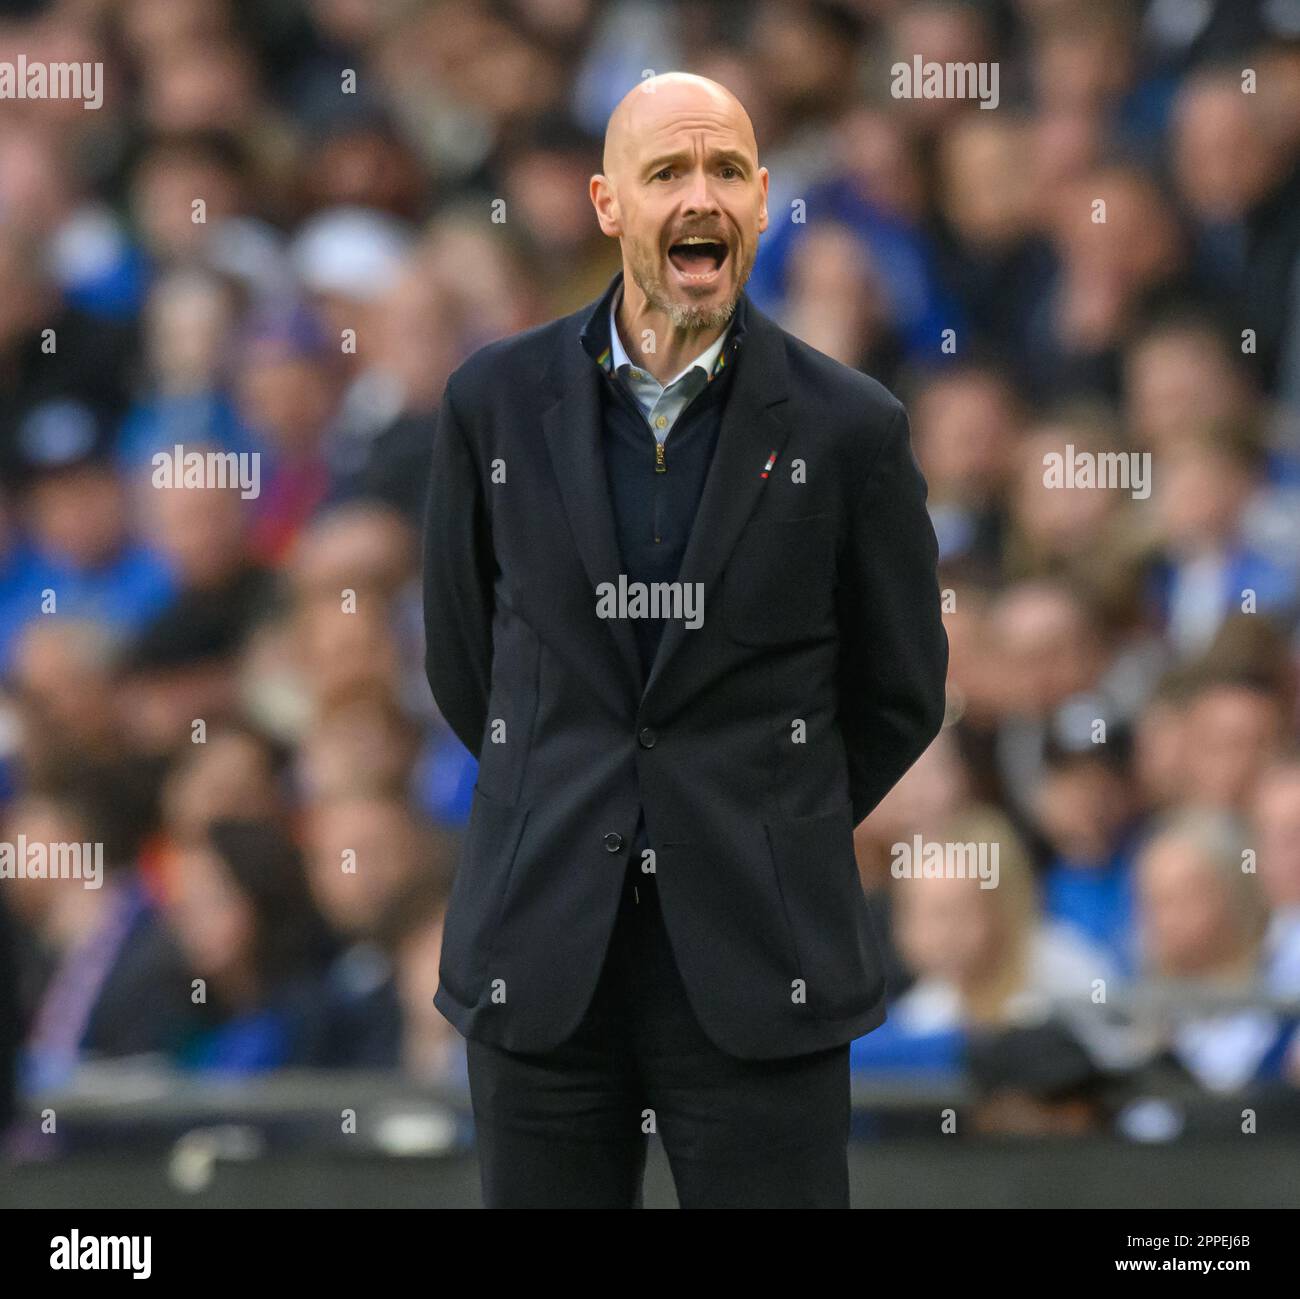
[
  {"x": 613, "y": 842},
  {"x": 646, "y": 739}
]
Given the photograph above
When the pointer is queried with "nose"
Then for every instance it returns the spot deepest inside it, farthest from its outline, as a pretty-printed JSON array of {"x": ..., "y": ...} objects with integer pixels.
[{"x": 699, "y": 199}]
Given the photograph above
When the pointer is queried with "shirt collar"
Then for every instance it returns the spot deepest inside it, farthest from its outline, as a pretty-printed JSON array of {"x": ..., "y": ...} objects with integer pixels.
[
  {"x": 706, "y": 361},
  {"x": 599, "y": 337}
]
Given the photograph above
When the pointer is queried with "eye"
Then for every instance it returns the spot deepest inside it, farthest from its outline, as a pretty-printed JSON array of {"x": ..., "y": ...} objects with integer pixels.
[
  {"x": 664, "y": 173},
  {"x": 729, "y": 168}
]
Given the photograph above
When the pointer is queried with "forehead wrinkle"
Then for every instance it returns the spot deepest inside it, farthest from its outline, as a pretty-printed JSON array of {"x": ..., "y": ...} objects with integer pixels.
[
  {"x": 700, "y": 125},
  {"x": 699, "y": 137}
]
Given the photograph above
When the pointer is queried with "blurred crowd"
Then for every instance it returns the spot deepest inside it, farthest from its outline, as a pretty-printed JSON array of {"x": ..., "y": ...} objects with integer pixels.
[{"x": 292, "y": 219}]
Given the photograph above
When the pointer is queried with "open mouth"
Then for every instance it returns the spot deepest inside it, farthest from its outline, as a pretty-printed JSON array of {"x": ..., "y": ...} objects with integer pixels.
[{"x": 698, "y": 259}]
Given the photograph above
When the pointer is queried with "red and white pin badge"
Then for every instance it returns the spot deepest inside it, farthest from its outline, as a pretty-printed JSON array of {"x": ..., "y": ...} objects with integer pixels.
[{"x": 767, "y": 468}]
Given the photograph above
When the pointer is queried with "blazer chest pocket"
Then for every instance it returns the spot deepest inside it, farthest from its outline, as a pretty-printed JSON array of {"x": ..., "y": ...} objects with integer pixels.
[{"x": 779, "y": 582}]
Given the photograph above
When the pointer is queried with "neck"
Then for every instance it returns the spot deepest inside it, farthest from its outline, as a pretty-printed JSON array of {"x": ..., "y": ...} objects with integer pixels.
[{"x": 674, "y": 348}]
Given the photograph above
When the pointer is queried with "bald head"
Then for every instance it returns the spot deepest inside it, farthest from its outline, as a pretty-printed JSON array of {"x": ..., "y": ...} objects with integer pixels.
[
  {"x": 663, "y": 98},
  {"x": 684, "y": 194}
]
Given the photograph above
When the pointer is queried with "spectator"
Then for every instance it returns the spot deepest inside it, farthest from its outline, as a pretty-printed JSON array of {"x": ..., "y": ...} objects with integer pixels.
[
  {"x": 364, "y": 854},
  {"x": 1203, "y": 920},
  {"x": 1086, "y": 812},
  {"x": 1233, "y": 729},
  {"x": 1205, "y": 569},
  {"x": 286, "y": 388},
  {"x": 411, "y": 930},
  {"x": 966, "y": 423},
  {"x": 982, "y": 955},
  {"x": 86, "y": 562},
  {"x": 99, "y": 974},
  {"x": 256, "y": 948},
  {"x": 1277, "y": 826}
]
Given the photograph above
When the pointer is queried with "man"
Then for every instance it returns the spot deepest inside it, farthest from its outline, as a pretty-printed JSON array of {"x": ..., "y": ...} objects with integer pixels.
[{"x": 681, "y": 603}]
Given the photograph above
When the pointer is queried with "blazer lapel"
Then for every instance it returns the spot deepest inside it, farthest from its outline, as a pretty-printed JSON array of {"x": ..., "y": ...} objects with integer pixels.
[
  {"x": 572, "y": 426},
  {"x": 750, "y": 433}
]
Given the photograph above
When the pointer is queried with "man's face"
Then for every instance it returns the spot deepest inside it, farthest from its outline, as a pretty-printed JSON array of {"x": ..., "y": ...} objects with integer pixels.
[{"x": 688, "y": 200}]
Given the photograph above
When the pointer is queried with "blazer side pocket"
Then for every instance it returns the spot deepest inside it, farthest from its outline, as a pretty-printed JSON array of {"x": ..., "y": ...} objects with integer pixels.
[
  {"x": 827, "y": 912},
  {"x": 478, "y": 894}
]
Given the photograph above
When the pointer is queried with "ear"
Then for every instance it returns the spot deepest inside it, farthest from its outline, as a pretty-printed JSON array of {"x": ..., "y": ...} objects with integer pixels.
[
  {"x": 762, "y": 211},
  {"x": 606, "y": 205}
]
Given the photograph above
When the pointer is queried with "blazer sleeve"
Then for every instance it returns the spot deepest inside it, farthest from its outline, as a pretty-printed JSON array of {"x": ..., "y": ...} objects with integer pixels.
[
  {"x": 894, "y": 649},
  {"x": 459, "y": 567}
]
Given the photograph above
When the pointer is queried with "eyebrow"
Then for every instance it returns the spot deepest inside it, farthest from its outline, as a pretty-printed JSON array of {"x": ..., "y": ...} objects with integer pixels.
[{"x": 715, "y": 155}]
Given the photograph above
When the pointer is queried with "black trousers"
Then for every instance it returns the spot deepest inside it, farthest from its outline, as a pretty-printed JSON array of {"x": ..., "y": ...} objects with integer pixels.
[{"x": 569, "y": 1128}]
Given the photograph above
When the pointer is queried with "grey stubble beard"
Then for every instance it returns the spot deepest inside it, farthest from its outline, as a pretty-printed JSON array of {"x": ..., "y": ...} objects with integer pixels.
[{"x": 685, "y": 316}]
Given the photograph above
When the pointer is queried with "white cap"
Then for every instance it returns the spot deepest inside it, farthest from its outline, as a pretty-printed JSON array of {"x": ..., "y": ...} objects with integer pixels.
[{"x": 351, "y": 251}]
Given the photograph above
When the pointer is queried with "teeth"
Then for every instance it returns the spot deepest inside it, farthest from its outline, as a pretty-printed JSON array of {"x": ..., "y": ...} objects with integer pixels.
[{"x": 696, "y": 239}]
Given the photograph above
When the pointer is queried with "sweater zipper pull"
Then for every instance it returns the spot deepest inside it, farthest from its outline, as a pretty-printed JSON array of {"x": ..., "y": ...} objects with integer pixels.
[{"x": 660, "y": 466}]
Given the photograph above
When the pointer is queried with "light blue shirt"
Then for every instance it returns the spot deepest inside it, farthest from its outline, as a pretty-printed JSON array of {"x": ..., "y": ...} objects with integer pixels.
[{"x": 662, "y": 403}]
